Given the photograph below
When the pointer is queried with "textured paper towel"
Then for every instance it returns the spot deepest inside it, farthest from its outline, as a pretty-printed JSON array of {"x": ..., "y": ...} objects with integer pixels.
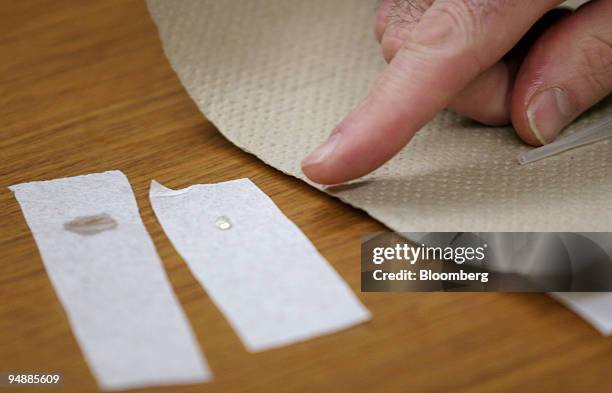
[
  {"x": 110, "y": 280},
  {"x": 276, "y": 76},
  {"x": 262, "y": 272}
]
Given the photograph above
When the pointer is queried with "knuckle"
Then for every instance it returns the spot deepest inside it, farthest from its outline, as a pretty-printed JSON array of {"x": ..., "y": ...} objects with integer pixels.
[
  {"x": 408, "y": 12},
  {"x": 456, "y": 29},
  {"x": 486, "y": 8},
  {"x": 465, "y": 18},
  {"x": 472, "y": 18},
  {"x": 459, "y": 27},
  {"x": 463, "y": 28},
  {"x": 597, "y": 55},
  {"x": 473, "y": 21}
]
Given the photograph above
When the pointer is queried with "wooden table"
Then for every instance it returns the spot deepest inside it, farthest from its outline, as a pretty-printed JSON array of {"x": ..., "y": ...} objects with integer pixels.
[{"x": 85, "y": 88}]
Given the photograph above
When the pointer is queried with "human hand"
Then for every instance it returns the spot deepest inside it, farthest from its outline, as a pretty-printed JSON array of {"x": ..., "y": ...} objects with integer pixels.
[{"x": 482, "y": 58}]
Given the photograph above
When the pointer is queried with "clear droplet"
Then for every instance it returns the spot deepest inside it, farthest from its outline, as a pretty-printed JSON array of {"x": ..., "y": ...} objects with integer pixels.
[{"x": 223, "y": 223}]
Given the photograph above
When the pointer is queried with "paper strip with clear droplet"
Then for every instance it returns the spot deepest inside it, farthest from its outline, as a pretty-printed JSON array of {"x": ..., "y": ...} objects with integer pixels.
[
  {"x": 256, "y": 265},
  {"x": 110, "y": 280}
]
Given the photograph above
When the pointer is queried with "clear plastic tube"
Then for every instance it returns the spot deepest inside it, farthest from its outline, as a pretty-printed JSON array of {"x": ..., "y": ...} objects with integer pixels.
[{"x": 595, "y": 133}]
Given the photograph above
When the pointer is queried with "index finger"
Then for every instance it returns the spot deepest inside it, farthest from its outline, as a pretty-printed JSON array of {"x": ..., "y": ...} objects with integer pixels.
[{"x": 454, "y": 41}]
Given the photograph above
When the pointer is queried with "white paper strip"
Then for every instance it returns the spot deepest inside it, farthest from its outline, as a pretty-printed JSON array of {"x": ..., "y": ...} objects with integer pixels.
[
  {"x": 594, "y": 307},
  {"x": 256, "y": 265},
  {"x": 107, "y": 274}
]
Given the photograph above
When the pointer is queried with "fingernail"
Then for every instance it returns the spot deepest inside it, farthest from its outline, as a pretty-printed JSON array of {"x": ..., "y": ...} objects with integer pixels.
[
  {"x": 323, "y": 152},
  {"x": 548, "y": 113}
]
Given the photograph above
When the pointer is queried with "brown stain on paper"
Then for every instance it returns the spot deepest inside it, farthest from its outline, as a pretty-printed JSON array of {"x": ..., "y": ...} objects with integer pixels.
[{"x": 91, "y": 225}]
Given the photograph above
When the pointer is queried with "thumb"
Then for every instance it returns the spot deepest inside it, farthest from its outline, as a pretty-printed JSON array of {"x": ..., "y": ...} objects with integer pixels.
[{"x": 568, "y": 70}]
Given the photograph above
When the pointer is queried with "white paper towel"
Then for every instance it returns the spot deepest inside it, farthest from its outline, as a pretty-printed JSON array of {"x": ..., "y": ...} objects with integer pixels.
[
  {"x": 107, "y": 274},
  {"x": 593, "y": 307},
  {"x": 256, "y": 265}
]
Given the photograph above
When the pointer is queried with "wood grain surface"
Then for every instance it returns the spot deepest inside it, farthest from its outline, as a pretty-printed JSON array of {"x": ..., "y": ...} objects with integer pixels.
[{"x": 85, "y": 88}]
